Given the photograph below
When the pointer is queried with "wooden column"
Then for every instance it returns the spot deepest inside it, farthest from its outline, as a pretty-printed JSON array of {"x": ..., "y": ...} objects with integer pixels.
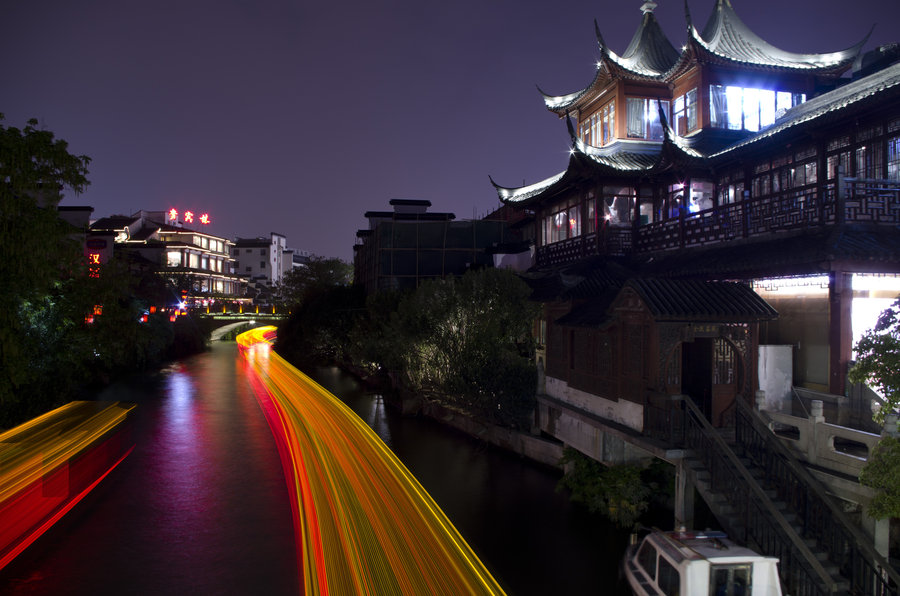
[{"x": 840, "y": 334}]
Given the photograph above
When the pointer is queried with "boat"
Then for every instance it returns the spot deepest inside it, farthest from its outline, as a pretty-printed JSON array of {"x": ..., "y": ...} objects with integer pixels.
[{"x": 683, "y": 563}]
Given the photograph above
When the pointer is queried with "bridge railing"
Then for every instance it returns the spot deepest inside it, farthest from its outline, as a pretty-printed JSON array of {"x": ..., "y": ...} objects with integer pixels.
[{"x": 820, "y": 518}]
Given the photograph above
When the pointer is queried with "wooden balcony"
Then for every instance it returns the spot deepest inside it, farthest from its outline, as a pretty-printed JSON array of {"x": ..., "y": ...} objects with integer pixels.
[{"x": 849, "y": 201}]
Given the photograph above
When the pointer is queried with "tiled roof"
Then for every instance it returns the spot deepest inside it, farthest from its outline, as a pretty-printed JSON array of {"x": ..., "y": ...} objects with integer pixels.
[
  {"x": 725, "y": 35},
  {"x": 650, "y": 53},
  {"x": 701, "y": 300}
]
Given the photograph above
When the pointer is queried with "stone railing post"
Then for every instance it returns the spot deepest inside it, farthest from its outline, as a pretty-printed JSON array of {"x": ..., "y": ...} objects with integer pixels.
[
  {"x": 890, "y": 426},
  {"x": 760, "y": 400},
  {"x": 816, "y": 418}
]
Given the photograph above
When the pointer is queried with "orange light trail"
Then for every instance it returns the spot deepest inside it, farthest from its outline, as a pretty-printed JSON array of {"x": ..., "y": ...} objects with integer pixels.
[
  {"x": 363, "y": 523},
  {"x": 50, "y": 463}
]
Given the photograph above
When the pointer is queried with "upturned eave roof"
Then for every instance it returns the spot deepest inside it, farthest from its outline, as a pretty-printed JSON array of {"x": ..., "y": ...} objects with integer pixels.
[{"x": 728, "y": 38}]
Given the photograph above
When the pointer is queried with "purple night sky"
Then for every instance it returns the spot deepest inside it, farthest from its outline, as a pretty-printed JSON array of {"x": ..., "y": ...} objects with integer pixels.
[{"x": 297, "y": 117}]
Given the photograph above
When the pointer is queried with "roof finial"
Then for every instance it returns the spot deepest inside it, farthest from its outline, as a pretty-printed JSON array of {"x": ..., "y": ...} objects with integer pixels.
[{"x": 648, "y": 6}]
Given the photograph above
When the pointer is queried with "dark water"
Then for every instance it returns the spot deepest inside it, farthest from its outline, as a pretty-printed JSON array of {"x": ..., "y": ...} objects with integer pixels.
[{"x": 200, "y": 506}]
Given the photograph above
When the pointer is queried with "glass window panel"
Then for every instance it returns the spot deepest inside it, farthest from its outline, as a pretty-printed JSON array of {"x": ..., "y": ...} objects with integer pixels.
[
  {"x": 751, "y": 109},
  {"x": 634, "y": 113},
  {"x": 734, "y": 102},
  {"x": 574, "y": 222},
  {"x": 591, "y": 216},
  {"x": 717, "y": 111},
  {"x": 654, "y": 123},
  {"x": 783, "y": 101},
  {"x": 893, "y": 165},
  {"x": 766, "y": 107}
]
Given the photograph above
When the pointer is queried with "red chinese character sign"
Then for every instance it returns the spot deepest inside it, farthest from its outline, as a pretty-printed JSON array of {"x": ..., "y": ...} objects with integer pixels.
[
  {"x": 93, "y": 262},
  {"x": 187, "y": 217}
]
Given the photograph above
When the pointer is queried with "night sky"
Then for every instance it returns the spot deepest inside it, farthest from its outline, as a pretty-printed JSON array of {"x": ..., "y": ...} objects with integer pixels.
[{"x": 297, "y": 117}]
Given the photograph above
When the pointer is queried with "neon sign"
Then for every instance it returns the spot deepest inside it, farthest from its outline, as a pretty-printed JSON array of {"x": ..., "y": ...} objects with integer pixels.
[
  {"x": 93, "y": 262},
  {"x": 188, "y": 217}
]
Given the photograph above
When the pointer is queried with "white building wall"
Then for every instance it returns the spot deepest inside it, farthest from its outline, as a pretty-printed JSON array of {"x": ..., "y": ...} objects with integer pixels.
[{"x": 624, "y": 412}]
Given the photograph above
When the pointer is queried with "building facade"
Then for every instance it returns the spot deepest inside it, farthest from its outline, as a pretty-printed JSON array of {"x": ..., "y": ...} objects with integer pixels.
[
  {"x": 728, "y": 160},
  {"x": 403, "y": 247},
  {"x": 198, "y": 264}
]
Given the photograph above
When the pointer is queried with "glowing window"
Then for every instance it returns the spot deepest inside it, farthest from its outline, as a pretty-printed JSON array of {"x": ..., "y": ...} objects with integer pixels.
[{"x": 173, "y": 259}]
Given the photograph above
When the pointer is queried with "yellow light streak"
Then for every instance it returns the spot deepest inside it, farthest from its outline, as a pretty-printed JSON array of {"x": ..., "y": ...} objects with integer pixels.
[
  {"x": 364, "y": 524},
  {"x": 50, "y": 463}
]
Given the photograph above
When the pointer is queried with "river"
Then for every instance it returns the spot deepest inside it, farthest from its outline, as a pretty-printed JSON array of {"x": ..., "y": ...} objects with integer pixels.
[{"x": 200, "y": 506}]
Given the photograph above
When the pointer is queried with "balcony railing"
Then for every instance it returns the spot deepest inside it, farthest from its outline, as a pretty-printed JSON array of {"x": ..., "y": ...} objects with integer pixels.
[{"x": 849, "y": 200}]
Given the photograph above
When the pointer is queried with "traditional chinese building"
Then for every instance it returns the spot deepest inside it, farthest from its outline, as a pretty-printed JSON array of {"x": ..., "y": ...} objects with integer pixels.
[
  {"x": 721, "y": 203},
  {"x": 729, "y": 160}
]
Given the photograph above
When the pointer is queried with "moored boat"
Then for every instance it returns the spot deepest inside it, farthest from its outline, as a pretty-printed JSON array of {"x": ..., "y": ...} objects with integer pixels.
[{"x": 682, "y": 563}]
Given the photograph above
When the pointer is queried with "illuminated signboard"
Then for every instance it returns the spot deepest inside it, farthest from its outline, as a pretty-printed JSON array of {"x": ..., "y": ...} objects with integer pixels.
[
  {"x": 188, "y": 217},
  {"x": 93, "y": 262}
]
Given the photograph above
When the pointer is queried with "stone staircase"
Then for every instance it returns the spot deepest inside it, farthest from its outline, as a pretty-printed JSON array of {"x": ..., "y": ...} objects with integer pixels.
[{"x": 734, "y": 522}]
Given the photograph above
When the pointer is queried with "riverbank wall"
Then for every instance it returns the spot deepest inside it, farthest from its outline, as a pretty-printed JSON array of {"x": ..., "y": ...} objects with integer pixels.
[{"x": 533, "y": 447}]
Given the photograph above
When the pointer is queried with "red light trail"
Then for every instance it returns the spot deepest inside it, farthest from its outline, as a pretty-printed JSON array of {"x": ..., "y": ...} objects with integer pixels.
[{"x": 363, "y": 523}]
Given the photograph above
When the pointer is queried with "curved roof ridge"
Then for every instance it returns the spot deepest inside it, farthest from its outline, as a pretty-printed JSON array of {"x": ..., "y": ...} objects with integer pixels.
[
  {"x": 517, "y": 194},
  {"x": 560, "y": 103},
  {"x": 650, "y": 53},
  {"x": 727, "y": 36}
]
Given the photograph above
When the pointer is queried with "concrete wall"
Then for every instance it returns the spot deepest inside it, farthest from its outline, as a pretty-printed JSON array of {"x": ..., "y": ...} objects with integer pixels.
[
  {"x": 624, "y": 412},
  {"x": 530, "y": 446}
]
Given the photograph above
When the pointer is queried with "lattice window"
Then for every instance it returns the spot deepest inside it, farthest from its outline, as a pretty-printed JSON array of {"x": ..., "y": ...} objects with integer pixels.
[
  {"x": 724, "y": 362},
  {"x": 868, "y": 162},
  {"x": 868, "y": 133},
  {"x": 838, "y": 143},
  {"x": 807, "y": 153},
  {"x": 841, "y": 160}
]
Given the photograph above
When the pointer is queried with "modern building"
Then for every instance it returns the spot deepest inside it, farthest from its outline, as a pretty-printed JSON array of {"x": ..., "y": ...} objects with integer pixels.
[
  {"x": 728, "y": 208},
  {"x": 403, "y": 247},
  {"x": 198, "y": 264},
  {"x": 263, "y": 260}
]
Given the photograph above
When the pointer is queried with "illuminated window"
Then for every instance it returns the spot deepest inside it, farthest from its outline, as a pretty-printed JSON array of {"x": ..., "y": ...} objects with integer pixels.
[
  {"x": 193, "y": 261},
  {"x": 600, "y": 128},
  {"x": 868, "y": 162},
  {"x": 684, "y": 112},
  {"x": 748, "y": 108},
  {"x": 893, "y": 158},
  {"x": 173, "y": 259},
  {"x": 642, "y": 117}
]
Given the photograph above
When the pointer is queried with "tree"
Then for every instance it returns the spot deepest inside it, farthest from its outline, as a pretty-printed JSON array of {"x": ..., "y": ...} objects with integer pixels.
[
  {"x": 35, "y": 167},
  {"x": 878, "y": 359},
  {"x": 318, "y": 275},
  {"x": 468, "y": 340},
  {"x": 618, "y": 492},
  {"x": 882, "y": 472}
]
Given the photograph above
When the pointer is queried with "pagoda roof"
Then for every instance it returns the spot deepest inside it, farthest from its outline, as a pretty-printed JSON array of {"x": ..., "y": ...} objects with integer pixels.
[
  {"x": 649, "y": 55},
  {"x": 727, "y": 38},
  {"x": 586, "y": 161}
]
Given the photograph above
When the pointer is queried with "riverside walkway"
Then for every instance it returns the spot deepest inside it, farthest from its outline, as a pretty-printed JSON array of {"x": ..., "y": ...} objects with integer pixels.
[{"x": 363, "y": 524}]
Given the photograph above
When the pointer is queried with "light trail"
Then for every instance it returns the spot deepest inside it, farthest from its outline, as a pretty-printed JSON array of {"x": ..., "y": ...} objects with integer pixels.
[
  {"x": 363, "y": 523},
  {"x": 50, "y": 463}
]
